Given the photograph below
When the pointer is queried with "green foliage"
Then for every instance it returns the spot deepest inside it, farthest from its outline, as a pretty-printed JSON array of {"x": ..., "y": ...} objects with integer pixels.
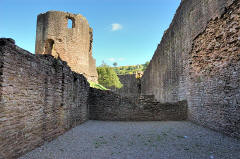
[
  {"x": 97, "y": 86},
  {"x": 108, "y": 77},
  {"x": 145, "y": 65},
  {"x": 122, "y": 70}
]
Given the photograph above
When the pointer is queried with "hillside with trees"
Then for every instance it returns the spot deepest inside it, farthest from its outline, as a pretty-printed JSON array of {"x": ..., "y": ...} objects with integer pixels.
[{"x": 122, "y": 70}]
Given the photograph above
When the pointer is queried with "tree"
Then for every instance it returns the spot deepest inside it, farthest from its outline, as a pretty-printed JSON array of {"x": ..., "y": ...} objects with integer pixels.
[
  {"x": 145, "y": 65},
  {"x": 115, "y": 64},
  {"x": 108, "y": 77}
]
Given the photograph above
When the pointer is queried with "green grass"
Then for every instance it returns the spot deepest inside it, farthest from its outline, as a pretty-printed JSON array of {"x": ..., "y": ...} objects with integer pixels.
[{"x": 97, "y": 86}]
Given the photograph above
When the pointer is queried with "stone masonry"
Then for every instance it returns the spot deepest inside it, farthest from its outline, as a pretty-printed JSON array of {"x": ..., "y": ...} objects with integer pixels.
[
  {"x": 73, "y": 45},
  {"x": 214, "y": 74},
  {"x": 194, "y": 74},
  {"x": 107, "y": 105},
  {"x": 198, "y": 61},
  {"x": 131, "y": 86},
  {"x": 41, "y": 98}
]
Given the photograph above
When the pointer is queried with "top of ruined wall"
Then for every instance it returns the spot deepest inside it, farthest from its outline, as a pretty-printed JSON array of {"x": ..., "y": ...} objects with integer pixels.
[{"x": 73, "y": 45}]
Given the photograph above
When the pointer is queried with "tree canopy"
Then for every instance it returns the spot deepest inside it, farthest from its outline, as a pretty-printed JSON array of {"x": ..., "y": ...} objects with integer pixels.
[{"x": 108, "y": 77}]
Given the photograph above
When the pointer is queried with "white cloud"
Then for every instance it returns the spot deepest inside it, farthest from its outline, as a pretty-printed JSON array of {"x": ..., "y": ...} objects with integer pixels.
[
  {"x": 115, "y": 59},
  {"x": 112, "y": 59},
  {"x": 121, "y": 59},
  {"x": 116, "y": 27}
]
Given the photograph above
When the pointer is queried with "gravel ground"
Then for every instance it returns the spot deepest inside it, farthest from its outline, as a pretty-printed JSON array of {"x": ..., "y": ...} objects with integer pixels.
[{"x": 139, "y": 140}]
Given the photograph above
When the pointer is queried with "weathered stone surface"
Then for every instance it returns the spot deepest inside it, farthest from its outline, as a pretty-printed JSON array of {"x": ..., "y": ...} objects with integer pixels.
[
  {"x": 198, "y": 61},
  {"x": 214, "y": 83},
  {"x": 166, "y": 76},
  {"x": 107, "y": 105},
  {"x": 73, "y": 45},
  {"x": 131, "y": 86},
  {"x": 41, "y": 98}
]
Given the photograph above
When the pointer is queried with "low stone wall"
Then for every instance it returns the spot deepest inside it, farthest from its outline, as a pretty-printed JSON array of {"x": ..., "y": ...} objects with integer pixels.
[
  {"x": 41, "y": 98},
  {"x": 107, "y": 105}
]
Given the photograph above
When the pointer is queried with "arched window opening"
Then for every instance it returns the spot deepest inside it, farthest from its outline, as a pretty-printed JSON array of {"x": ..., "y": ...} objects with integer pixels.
[
  {"x": 71, "y": 22},
  {"x": 49, "y": 46}
]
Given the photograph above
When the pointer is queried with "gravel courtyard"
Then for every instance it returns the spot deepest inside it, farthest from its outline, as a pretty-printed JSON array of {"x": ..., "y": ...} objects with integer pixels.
[{"x": 139, "y": 140}]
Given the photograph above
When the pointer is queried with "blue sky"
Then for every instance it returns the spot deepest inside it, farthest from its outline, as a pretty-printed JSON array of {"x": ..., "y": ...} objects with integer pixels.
[{"x": 125, "y": 31}]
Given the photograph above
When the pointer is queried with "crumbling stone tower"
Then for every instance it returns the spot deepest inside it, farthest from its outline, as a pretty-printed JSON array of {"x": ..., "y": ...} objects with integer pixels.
[{"x": 69, "y": 37}]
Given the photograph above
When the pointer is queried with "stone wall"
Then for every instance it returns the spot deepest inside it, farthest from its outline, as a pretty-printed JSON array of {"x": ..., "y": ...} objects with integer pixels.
[
  {"x": 41, "y": 98},
  {"x": 214, "y": 87},
  {"x": 198, "y": 61},
  {"x": 92, "y": 70},
  {"x": 131, "y": 86},
  {"x": 196, "y": 64},
  {"x": 166, "y": 76},
  {"x": 73, "y": 45},
  {"x": 107, "y": 105}
]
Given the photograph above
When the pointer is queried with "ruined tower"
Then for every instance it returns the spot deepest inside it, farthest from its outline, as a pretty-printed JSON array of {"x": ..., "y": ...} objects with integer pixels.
[{"x": 69, "y": 37}]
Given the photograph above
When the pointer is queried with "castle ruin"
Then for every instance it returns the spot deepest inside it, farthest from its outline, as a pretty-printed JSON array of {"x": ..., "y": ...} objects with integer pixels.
[
  {"x": 193, "y": 75},
  {"x": 69, "y": 37}
]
